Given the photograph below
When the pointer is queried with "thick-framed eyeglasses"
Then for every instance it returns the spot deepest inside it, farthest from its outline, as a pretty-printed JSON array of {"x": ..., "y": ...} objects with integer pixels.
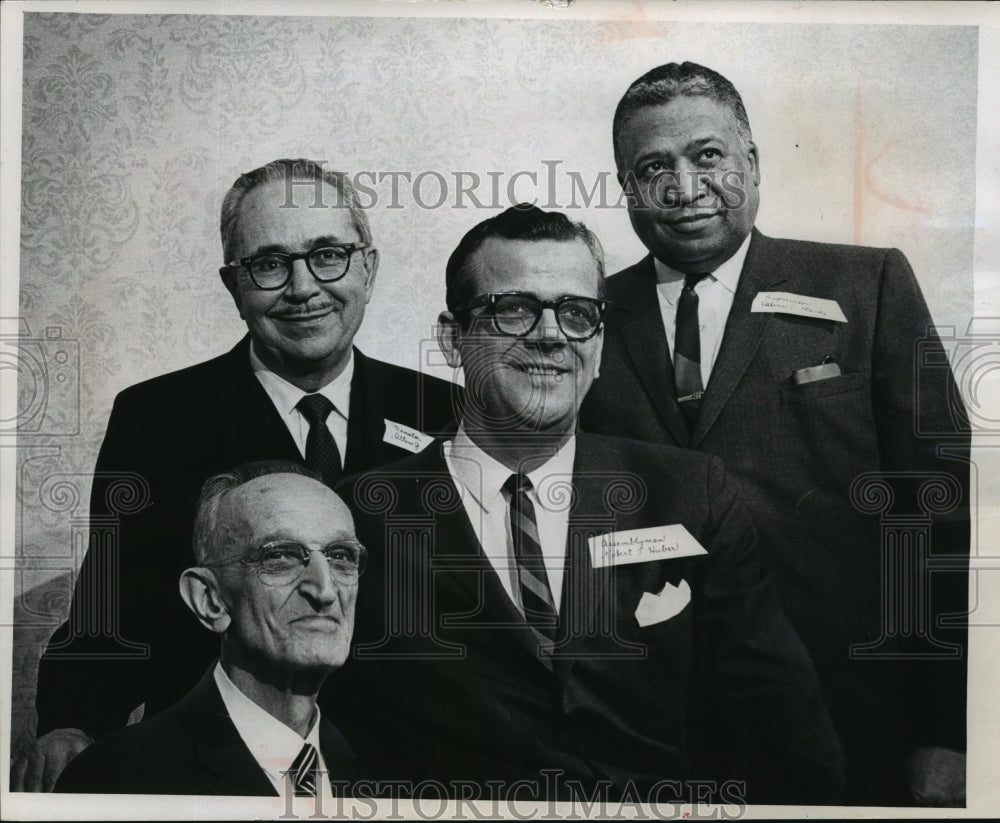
[
  {"x": 516, "y": 314},
  {"x": 283, "y": 562},
  {"x": 273, "y": 270}
]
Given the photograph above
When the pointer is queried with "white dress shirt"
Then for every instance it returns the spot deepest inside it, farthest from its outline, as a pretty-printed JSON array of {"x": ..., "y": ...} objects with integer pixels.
[
  {"x": 273, "y": 744},
  {"x": 480, "y": 479},
  {"x": 285, "y": 396},
  {"x": 715, "y": 299}
]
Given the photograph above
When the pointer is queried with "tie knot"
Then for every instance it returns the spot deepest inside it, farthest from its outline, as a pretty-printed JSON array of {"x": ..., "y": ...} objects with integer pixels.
[
  {"x": 315, "y": 408},
  {"x": 693, "y": 279},
  {"x": 517, "y": 483}
]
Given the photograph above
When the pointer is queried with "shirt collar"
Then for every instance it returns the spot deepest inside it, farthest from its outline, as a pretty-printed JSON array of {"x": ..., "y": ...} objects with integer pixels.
[
  {"x": 273, "y": 744},
  {"x": 728, "y": 274},
  {"x": 483, "y": 476},
  {"x": 286, "y": 395}
]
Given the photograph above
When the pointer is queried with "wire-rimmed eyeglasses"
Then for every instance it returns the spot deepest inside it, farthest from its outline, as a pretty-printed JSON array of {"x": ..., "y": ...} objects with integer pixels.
[{"x": 282, "y": 562}]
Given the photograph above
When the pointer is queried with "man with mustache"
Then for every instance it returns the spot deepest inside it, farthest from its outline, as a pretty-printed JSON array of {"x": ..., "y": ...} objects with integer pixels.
[
  {"x": 562, "y": 614},
  {"x": 300, "y": 264},
  {"x": 276, "y": 576},
  {"x": 809, "y": 369}
]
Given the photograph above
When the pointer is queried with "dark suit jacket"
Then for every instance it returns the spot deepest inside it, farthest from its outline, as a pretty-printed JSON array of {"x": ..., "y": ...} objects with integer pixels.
[
  {"x": 445, "y": 681},
  {"x": 191, "y": 748},
  {"x": 796, "y": 450},
  {"x": 130, "y": 639}
]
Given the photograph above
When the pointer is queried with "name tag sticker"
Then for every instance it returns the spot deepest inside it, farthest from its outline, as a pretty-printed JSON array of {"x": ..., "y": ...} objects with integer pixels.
[
  {"x": 642, "y": 546},
  {"x": 788, "y": 303},
  {"x": 406, "y": 438}
]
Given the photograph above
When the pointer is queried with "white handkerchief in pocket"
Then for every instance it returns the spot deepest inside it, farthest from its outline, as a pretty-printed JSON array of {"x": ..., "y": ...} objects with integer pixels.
[{"x": 655, "y": 608}]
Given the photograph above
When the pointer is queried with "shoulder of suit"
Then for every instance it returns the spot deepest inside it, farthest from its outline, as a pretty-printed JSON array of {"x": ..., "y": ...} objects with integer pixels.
[
  {"x": 370, "y": 490},
  {"x": 183, "y": 383},
  {"x": 816, "y": 250},
  {"x": 807, "y": 251},
  {"x": 399, "y": 376}
]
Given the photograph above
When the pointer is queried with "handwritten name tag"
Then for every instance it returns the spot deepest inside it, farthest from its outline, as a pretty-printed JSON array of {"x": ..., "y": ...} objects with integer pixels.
[
  {"x": 788, "y": 303},
  {"x": 643, "y": 546},
  {"x": 406, "y": 438}
]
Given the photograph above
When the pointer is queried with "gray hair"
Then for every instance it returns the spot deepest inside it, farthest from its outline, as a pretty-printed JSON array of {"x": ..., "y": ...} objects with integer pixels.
[
  {"x": 219, "y": 485},
  {"x": 301, "y": 170}
]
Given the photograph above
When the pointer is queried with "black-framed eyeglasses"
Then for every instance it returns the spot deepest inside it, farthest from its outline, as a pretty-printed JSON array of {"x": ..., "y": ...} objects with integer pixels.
[
  {"x": 273, "y": 270},
  {"x": 516, "y": 314},
  {"x": 282, "y": 562}
]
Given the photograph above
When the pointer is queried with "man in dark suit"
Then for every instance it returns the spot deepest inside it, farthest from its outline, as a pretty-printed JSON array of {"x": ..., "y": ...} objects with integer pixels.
[
  {"x": 582, "y": 605},
  {"x": 810, "y": 369},
  {"x": 276, "y": 580},
  {"x": 300, "y": 277}
]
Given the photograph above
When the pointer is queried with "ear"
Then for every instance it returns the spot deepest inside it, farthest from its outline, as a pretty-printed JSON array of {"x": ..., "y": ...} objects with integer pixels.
[
  {"x": 449, "y": 334},
  {"x": 228, "y": 277},
  {"x": 600, "y": 351},
  {"x": 371, "y": 269},
  {"x": 754, "y": 159},
  {"x": 200, "y": 591}
]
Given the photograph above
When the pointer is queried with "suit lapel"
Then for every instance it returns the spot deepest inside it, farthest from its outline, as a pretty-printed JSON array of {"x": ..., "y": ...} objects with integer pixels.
[
  {"x": 646, "y": 345},
  {"x": 468, "y": 589},
  {"x": 219, "y": 747},
  {"x": 588, "y": 609},
  {"x": 762, "y": 270},
  {"x": 252, "y": 429},
  {"x": 364, "y": 419}
]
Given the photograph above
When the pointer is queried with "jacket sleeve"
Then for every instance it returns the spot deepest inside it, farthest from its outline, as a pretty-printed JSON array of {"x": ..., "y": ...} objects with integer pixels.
[{"x": 924, "y": 444}]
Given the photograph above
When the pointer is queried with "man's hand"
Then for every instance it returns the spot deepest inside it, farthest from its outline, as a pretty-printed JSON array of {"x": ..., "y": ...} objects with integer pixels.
[
  {"x": 935, "y": 776},
  {"x": 39, "y": 765}
]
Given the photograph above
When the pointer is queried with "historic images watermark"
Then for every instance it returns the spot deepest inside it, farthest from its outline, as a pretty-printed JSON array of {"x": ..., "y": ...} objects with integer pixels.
[
  {"x": 550, "y": 187},
  {"x": 550, "y": 796}
]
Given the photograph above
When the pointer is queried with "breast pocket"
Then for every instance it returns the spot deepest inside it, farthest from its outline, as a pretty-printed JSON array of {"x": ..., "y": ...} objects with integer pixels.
[
  {"x": 669, "y": 632},
  {"x": 818, "y": 389}
]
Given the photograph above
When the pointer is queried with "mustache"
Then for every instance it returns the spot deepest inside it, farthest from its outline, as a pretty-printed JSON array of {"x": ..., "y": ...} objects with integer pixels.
[{"x": 304, "y": 311}]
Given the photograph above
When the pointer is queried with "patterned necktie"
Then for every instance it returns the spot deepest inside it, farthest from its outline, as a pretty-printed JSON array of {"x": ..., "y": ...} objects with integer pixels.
[
  {"x": 322, "y": 454},
  {"x": 687, "y": 350},
  {"x": 536, "y": 596},
  {"x": 303, "y": 771}
]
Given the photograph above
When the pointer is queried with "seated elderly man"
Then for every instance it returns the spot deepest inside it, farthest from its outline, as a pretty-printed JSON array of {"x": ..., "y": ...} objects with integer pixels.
[{"x": 285, "y": 617}]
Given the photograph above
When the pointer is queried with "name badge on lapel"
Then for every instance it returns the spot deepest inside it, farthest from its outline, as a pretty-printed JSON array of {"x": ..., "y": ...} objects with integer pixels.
[
  {"x": 406, "y": 438},
  {"x": 643, "y": 546},
  {"x": 785, "y": 302}
]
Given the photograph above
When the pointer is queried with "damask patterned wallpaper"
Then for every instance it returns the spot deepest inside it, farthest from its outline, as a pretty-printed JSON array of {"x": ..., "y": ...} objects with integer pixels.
[{"x": 135, "y": 126}]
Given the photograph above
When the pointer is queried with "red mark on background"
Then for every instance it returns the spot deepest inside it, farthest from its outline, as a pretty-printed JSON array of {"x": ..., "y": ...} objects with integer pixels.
[
  {"x": 863, "y": 172},
  {"x": 891, "y": 199}
]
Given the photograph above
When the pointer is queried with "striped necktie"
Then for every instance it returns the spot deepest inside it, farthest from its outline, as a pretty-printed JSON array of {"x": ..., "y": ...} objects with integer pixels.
[
  {"x": 536, "y": 596},
  {"x": 687, "y": 350},
  {"x": 303, "y": 771},
  {"x": 322, "y": 454}
]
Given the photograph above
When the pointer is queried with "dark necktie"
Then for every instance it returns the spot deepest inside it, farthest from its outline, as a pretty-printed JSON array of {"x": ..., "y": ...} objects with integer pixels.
[
  {"x": 303, "y": 771},
  {"x": 687, "y": 350},
  {"x": 322, "y": 454},
  {"x": 536, "y": 596}
]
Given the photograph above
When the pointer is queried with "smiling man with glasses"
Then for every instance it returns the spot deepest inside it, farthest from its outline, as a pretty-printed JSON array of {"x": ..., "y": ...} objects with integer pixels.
[
  {"x": 276, "y": 580},
  {"x": 300, "y": 264},
  {"x": 551, "y": 614}
]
